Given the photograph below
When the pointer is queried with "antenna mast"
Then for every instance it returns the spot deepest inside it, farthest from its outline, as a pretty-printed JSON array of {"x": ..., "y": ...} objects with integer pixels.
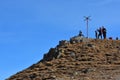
[{"x": 87, "y": 18}]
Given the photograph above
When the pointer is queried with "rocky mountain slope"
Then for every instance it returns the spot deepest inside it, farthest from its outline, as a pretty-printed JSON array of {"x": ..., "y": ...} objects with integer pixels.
[{"x": 77, "y": 59}]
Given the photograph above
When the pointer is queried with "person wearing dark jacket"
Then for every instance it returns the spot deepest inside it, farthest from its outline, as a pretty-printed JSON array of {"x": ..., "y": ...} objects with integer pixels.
[
  {"x": 100, "y": 33},
  {"x": 104, "y": 32},
  {"x": 96, "y": 34}
]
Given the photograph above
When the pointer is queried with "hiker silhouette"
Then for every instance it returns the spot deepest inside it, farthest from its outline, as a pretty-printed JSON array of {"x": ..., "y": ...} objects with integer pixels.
[
  {"x": 80, "y": 33},
  {"x": 100, "y": 33},
  {"x": 104, "y": 31},
  {"x": 96, "y": 34}
]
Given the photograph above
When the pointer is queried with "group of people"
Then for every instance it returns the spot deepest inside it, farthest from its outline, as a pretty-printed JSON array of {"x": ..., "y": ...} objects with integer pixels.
[{"x": 101, "y": 32}]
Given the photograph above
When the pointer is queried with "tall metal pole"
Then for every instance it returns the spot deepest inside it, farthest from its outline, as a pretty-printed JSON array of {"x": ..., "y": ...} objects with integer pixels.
[
  {"x": 87, "y": 29},
  {"x": 87, "y": 19}
]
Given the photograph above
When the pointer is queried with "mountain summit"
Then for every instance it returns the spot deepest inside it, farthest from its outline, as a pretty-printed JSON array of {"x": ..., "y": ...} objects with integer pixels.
[{"x": 78, "y": 59}]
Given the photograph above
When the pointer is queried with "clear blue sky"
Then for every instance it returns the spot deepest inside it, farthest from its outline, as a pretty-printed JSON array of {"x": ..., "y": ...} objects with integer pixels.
[{"x": 29, "y": 28}]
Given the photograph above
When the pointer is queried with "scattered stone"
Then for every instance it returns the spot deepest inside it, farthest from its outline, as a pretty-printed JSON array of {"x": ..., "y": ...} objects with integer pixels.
[{"x": 90, "y": 45}]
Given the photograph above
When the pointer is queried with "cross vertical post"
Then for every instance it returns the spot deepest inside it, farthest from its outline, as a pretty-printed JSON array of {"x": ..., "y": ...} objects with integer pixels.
[{"x": 87, "y": 19}]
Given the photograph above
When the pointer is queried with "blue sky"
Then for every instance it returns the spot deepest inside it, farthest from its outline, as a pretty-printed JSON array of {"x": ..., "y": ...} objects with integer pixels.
[{"x": 29, "y": 28}]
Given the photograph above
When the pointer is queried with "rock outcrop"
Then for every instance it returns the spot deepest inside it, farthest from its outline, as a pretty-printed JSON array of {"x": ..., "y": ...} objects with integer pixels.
[{"x": 77, "y": 59}]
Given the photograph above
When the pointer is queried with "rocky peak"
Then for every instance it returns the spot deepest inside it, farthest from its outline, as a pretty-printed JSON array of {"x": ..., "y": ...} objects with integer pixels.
[{"x": 77, "y": 59}]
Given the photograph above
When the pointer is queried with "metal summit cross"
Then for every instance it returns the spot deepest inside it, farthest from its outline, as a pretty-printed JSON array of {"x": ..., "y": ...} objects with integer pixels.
[{"x": 87, "y": 18}]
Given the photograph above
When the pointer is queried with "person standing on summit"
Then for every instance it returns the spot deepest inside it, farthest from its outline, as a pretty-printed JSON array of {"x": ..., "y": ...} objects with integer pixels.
[
  {"x": 100, "y": 33},
  {"x": 96, "y": 34},
  {"x": 80, "y": 34},
  {"x": 104, "y": 31}
]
